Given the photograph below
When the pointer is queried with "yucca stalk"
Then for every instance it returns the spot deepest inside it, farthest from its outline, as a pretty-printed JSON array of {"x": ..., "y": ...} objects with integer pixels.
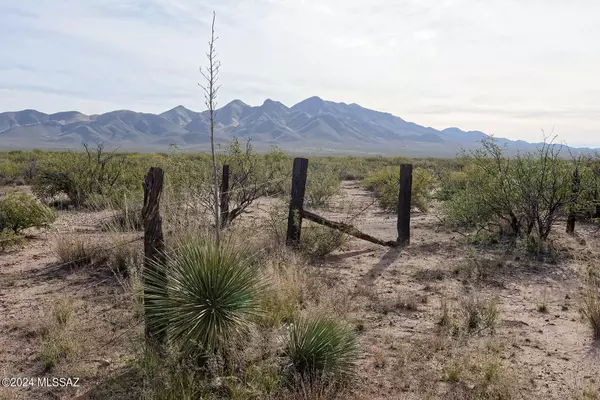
[
  {"x": 209, "y": 293},
  {"x": 322, "y": 348},
  {"x": 211, "y": 89}
]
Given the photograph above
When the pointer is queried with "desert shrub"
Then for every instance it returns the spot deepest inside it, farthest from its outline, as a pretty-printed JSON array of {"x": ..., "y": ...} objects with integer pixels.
[
  {"x": 584, "y": 196},
  {"x": 9, "y": 171},
  {"x": 316, "y": 241},
  {"x": 19, "y": 165},
  {"x": 203, "y": 296},
  {"x": 9, "y": 240},
  {"x": 19, "y": 211},
  {"x": 322, "y": 184},
  {"x": 522, "y": 195},
  {"x": 94, "y": 175},
  {"x": 322, "y": 348},
  {"x": 252, "y": 175},
  {"x": 385, "y": 183},
  {"x": 452, "y": 183}
]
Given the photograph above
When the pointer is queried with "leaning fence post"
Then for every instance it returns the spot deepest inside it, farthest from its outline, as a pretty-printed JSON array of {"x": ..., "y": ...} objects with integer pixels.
[
  {"x": 297, "y": 201},
  {"x": 404, "y": 196},
  {"x": 154, "y": 248},
  {"x": 225, "y": 196}
]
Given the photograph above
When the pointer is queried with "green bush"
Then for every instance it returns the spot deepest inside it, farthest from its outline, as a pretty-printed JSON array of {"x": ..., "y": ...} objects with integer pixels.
[
  {"x": 317, "y": 241},
  {"x": 385, "y": 183},
  {"x": 321, "y": 348},
  {"x": 452, "y": 183},
  {"x": 87, "y": 179},
  {"x": 19, "y": 211},
  {"x": 9, "y": 171},
  {"x": 203, "y": 295},
  {"x": 322, "y": 184},
  {"x": 9, "y": 239},
  {"x": 522, "y": 195}
]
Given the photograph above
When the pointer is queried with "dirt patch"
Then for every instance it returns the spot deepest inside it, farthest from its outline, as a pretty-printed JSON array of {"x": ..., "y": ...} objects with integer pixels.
[{"x": 397, "y": 302}]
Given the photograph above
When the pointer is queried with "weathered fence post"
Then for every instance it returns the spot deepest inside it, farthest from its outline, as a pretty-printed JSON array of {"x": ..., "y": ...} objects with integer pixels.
[
  {"x": 572, "y": 217},
  {"x": 404, "y": 196},
  {"x": 154, "y": 246},
  {"x": 225, "y": 196},
  {"x": 297, "y": 201}
]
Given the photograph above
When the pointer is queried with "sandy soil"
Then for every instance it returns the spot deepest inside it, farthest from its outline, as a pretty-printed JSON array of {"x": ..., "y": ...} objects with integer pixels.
[
  {"x": 396, "y": 298},
  {"x": 32, "y": 282},
  {"x": 548, "y": 355}
]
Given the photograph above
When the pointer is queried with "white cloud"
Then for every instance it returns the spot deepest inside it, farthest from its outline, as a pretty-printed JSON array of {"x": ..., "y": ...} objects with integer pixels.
[{"x": 508, "y": 67}]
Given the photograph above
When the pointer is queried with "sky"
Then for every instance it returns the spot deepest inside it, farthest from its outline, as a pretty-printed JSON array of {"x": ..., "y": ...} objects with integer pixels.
[{"x": 511, "y": 68}]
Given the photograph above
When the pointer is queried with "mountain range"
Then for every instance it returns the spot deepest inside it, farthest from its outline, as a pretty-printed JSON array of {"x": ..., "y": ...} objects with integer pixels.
[{"x": 313, "y": 125}]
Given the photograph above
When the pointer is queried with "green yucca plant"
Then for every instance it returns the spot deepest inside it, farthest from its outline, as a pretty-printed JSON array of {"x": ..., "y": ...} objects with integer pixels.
[
  {"x": 322, "y": 348},
  {"x": 203, "y": 295}
]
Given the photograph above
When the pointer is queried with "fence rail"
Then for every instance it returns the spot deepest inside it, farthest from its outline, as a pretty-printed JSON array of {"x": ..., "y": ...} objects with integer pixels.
[{"x": 297, "y": 212}]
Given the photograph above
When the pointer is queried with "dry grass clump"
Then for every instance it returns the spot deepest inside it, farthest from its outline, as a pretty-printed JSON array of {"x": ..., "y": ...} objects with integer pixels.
[
  {"x": 591, "y": 391},
  {"x": 119, "y": 255},
  {"x": 62, "y": 311},
  {"x": 59, "y": 343},
  {"x": 542, "y": 305},
  {"x": 286, "y": 290},
  {"x": 590, "y": 309},
  {"x": 470, "y": 316},
  {"x": 77, "y": 251},
  {"x": 401, "y": 303},
  {"x": 475, "y": 376}
]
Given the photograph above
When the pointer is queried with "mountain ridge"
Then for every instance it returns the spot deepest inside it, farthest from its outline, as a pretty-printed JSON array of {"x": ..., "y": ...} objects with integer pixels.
[{"x": 311, "y": 125}]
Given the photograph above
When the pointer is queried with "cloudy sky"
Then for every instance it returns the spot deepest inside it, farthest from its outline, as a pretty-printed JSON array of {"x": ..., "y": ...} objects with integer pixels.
[{"x": 507, "y": 67}]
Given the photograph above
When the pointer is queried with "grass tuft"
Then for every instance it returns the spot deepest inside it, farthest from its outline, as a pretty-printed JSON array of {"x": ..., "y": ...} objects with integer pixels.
[
  {"x": 590, "y": 309},
  {"x": 322, "y": 348}
]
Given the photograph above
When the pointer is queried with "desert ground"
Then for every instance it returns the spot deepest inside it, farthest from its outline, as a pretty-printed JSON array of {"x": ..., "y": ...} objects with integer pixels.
[{"x": 404, "y": 303}]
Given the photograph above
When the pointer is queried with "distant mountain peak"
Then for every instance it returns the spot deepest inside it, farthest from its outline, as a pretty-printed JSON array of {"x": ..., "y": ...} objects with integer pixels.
[
  {"x": 273, "y": 105},
  {"x": 312, "y": 106},
  {"x": 312, "y": 123},
  {"x": 312, "y": 100},
  {"x": 238, "y": 102}
]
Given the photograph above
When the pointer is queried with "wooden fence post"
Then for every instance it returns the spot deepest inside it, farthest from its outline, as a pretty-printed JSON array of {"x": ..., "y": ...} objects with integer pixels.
[
  {"x": 572, "y": 217},
  {"x": 297, "y": 201},
  {"x": 225, "y": 196},
  {"x": 404, "y": 197},
  {"x": 154, "y": 245}
]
